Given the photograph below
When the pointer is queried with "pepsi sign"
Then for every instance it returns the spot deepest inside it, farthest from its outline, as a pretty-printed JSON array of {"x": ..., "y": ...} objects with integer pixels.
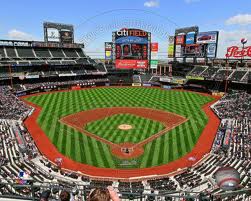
[{"x": 190, "y": 38}]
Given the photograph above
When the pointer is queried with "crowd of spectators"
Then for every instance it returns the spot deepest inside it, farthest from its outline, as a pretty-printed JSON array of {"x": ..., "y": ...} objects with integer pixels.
[
  {"x": 10, "y": 106},
  {"x": 45, "y": 85},
  {"x": 233, "y": 139}
]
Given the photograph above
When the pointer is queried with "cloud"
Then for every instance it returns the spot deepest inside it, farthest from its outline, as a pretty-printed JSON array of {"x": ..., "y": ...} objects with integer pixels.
[
  {"x": 19, "y": 35},
  {"x": 231, "y": 38},
  {"x": 151, "y": 4},
  {"x": 191, "y": 1},
  {"x": 240, "y": 19}
]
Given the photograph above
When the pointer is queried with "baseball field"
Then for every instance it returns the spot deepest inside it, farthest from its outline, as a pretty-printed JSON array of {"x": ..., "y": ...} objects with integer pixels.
[{"x": 84, "y": 126}]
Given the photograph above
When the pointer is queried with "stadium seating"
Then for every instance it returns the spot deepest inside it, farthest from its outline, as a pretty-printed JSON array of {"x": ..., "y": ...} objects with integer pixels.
[
  {"x": 2, "y": 53},
  {"x": 24, "y": 52},
  {"x": 210, "y": 72},
  {"x": 70, "y": 53},
  {"x": 222, "y": 74},
  {"x": 197, "y": 71},
  {"x": 246, "y": 77},
  {"x": 57, "y": 53},
  {"x": 11, "y": 52},
  {"x": 145, "y": 78},
  {"x": 237, "y": 75},
  {"x": 42, "y": 52}
]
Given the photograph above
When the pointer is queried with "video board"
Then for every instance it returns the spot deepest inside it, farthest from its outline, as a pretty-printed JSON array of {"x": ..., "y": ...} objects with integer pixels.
[
  {"x": 58, "y": 32},
  {"x": 190, "y": 43},
  {"x": 131, "y": 48},
  {"x": 207, "y": 37}
]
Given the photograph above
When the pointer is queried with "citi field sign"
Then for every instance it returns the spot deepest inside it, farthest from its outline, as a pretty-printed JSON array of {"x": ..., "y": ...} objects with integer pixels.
[{"x": 131, "y": 32}]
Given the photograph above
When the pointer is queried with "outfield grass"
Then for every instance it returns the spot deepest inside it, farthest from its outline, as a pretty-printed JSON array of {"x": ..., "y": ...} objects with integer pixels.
[
  {"x": 107, "y": 128},
  {"x": 84, "y": 149}
]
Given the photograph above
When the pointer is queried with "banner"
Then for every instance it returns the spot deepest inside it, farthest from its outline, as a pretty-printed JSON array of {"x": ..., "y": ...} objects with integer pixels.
[
  {"x": 166, "y": 87},
  {"x": 154, "y": 47},
  {"x": 195, "y": 50},
  {"x": 238, "y": 52},
  {"x": 66, "y": 36},
  {"x": 154, "y": 55},
  {"x": 211, "y": 50},
  {"x": 136, "y": 84},
  {"x": 178, "y": 51},
  {"x": 58, "y": 33},
  {"x": 207, "y": 37},
  {"x": 194, "y": 77},
  {"x": 180, "y": 40},
  {"x": 32, "y": 76},
  {"x": 108, "y": 50},
  {"x": 147, "y": 85},
  {"x": 190, "y": 38},
  {"x": 170, "y": 51},
  {"x": 170, "y": 47},
  {"x": 129, "y": 64},
  {"x": 154, "y": 64},
  {"x": 165, "y": 79},
  {"x": 178, "y": 81},
  {"x": 131, "y": 39},
  {"x": 53, "y": 35}
]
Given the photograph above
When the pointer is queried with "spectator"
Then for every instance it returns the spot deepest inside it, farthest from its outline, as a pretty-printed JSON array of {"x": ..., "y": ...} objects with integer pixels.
[
  {"x": 99, "y": 194},
  {"x": 65, "y": 196},
  {"x": 45, "y": 195}
]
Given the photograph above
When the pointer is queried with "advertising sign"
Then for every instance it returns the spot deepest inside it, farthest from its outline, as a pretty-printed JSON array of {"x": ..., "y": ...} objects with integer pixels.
[
  {"x": 66, "y": 36},
  {"x": 131, "y": 39},
  {"x": 108, "y": 50},
  {"x": 171, "y": 47},
  {"x": 207, "y": 37},
  {"x": 171, "y": 40},
  {"x": 154, "y": 64},
  {"x": 154, "y": 55},
  {"x": 194, "y": 77},
  {"x": 211, "y": 50},
  {"x": 131, "y": 32},
  {"x": 238, "y": 52},
  {"x": 154, "y": 47},
  {"x": 178, "y": 51},
  {"x": 180, "y": 40},
  {"x": 58, "y": 32},
  {"x": 195, "y": 50},
  {"x": 190, "y": 38},
  {"x": 170, "y": 51},
  {"x": 130, "y": 64},
  {"x": 53, "y": 35},
  {"x": 32, "y": 76}
]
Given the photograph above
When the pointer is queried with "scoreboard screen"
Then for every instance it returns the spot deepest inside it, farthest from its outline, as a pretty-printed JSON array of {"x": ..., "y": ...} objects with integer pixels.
[{"x": 132, "y": 51}]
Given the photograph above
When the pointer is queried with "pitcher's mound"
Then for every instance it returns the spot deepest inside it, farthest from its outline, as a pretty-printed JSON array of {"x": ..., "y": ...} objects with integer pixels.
[{"x": 125, "y": 127}]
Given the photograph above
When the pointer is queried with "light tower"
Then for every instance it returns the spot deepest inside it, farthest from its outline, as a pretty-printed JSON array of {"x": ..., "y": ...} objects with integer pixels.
[{"x": 243, "y": 42}]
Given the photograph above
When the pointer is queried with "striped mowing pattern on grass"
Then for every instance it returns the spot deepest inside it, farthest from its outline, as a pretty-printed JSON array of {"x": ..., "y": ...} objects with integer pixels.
[
  {"x": 107, "y": 128},
  {"x": 84, "y": 149}
]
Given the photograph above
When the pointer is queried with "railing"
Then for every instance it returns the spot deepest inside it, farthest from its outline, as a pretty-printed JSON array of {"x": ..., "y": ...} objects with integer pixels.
[{"x": 32, "y": 191}]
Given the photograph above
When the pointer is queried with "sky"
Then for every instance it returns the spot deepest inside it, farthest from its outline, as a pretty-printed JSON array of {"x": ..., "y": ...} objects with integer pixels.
[{"x": 95, "y": 20}]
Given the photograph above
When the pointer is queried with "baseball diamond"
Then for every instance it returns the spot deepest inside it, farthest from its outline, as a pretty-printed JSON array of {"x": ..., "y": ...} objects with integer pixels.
[{"x": 83, "y": 146}]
